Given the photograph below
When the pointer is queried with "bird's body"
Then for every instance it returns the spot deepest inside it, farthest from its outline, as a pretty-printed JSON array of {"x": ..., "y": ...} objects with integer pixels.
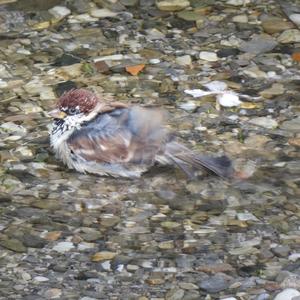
[{"x": 113, "y": 139}]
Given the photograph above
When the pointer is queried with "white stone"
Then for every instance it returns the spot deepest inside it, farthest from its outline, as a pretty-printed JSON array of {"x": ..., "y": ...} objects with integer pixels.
[
  {"x": 172, "y": 5},
  {"x": 12, "y": 127},
  {"x": 63, "y": 247},
  {"x": 83, "y": 18},
  {"x": 246, "y": 216},
  {"x": 188, "y": 106},
  {"x": 295, "y": 18},
  {"x": 59, "y": 12},
  {"x": 184, "y": 60},
  {"x": 23, "y": 51},
  {"x": 154, "y": 61},
  {"x": 208, "y": 56},
  {"x": 109, "y": 57},
  {"x": 287, "y": 294},
  {"x": 238, "y": 2},
  {"x": 40, "y": 279},
  {"x": 216, "y": 86},
  {"x": 228, "y": 99},
  {"x": 103, "y": 13},
  {"x": 294, "y": 256},
  {"x": 3, "y": 84},
  {"x": 230, "y": 298},
  {"x": 197, "y": 93}
]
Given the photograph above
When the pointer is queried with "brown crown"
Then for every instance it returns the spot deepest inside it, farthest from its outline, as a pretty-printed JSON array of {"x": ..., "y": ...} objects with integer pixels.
[{"x": 81, "y": 98}]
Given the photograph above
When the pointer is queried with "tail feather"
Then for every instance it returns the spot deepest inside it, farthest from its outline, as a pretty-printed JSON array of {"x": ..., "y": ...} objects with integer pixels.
[{"x": 186, "y": 159}]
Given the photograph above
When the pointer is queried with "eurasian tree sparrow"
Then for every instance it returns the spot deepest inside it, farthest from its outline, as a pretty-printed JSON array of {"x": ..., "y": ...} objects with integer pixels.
[{"x": 115, "y": 139}]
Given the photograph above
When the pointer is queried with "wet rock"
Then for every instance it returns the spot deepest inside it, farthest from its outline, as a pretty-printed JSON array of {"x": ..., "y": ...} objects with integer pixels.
[
  {"x": 291, "y": 125},
  {"x": 265, "y": 122},
  {"x": 175, "y": 294},
  {"x": 240, "y": 19},
  {"x": 13, "y": 244},
  {"x": 104, "y": 255},
  {"x": 185, "y": 60},
  {"x": 274, "y": 90},
  {"x": 215, "y": 284},
  {"x": 208, "y": 56},
  {"x": 289, "y": 36},
  {"x": 274, "y": 24},
  {"x": 295, "y": 18},
  {"x": 53, "y": 293},
  {"x": 59, "y": 12},
  {"x": 259, "y": 44},
  {"x": 237, "y": 2},
  {"x": 103, "y": 13},
  {"x": 281, "y": 251},
  {"x": 172, "y": 5},
  {"x": 226, "y": 52},
  {"x": 33, "y": 241},
  {"x": 188, "y": 15}
]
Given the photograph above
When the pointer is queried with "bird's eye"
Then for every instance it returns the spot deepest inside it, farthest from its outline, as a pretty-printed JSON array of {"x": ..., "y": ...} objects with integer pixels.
[{"x": 72, "y": 111}]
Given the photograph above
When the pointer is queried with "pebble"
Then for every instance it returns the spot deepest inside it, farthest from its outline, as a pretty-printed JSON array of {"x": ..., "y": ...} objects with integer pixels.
[
  {"x": 59, "y": 12},
  {"x": 265, "y": 122},
  {"x": 291, "y": 125},
  {"x": 238, "y": 2},
  {"x": 259, "y": 44},
  {"x": 275, "y": 90},
  {"x": 208, "y": 56},
  {"x": 228, "y": 100},
  {"x": 103, "y": 13},
  {"x": 215, "y": 284},
  {"x": 53, "y": 293},
  {"x": 103, "y": 255},
  {"x": 294, "y": 256},
  {"x": 184, "y": 60},
  {"x": 287, "y": 294},
  {"x": 255, "y": 72},
  {"x": 62, "y": 247},
  {"x": 289, "y": 36},
  {"x": 172, "y": 5},
  {"x": 281, "y": 251},
  {"x": 188, "y": 106},
  {"x": 240, "y": 19},
  {"x": 295, "y": 18},
  {"x": 273, "y": 25},
  {"x": 40, "y": 279},
  {"x": 175, "y": 294}
]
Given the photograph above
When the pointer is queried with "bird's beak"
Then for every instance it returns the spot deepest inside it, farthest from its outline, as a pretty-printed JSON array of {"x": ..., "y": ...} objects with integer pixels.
[{"x": 57, "y": 114}]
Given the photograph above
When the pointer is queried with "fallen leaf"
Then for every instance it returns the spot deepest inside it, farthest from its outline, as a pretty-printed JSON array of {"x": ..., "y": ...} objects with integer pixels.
[
  {"x": 135, "y": 70},
  {"x": 296, "y": 56},
  {"x": 53, "y": 235}
]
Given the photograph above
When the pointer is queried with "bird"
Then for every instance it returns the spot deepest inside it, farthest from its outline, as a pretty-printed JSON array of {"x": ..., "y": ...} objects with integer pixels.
[{"x": 95, "y": 136}]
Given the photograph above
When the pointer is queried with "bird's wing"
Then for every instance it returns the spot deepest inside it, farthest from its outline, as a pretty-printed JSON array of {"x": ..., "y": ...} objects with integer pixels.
[{"x": 124, "y": 135}]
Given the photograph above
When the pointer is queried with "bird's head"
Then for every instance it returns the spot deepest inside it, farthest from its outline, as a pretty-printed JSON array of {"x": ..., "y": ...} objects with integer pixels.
[{"x": 75, "y": 103}]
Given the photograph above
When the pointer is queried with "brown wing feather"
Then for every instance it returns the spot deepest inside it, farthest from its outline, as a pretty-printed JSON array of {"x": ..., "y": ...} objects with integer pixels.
[
  {"x": 134, "y": 136},
  {"x": 102, "y": 149}
]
